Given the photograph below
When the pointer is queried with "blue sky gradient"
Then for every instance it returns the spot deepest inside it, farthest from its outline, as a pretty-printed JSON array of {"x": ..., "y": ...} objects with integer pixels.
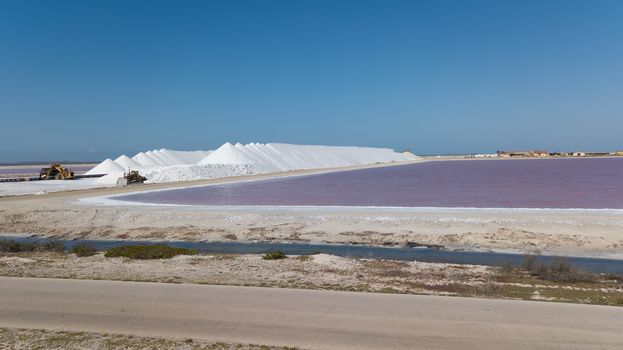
[{"x": 91, "y": 79}]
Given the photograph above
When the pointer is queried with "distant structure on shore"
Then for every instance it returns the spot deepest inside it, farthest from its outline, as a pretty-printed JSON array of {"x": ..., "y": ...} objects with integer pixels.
[
  {"x": 544, "y": 154},
  {"x": 509, "y": 154}
]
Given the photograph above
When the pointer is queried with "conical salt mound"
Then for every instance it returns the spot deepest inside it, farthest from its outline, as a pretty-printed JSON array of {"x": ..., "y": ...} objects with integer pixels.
[
  {"x": 106, "y": 167},
  {"x": 144, "y": 159},
  {"x": 127, "y": 162},
  {"x": 228, "y": 154}
]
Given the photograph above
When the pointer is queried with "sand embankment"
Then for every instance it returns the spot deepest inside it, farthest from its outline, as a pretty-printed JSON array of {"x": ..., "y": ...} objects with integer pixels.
[{"x": 564, "y": 232}]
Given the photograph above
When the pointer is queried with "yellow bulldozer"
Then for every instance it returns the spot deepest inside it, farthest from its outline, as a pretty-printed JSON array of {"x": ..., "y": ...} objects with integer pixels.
[
  {"x": 131, "y": 177},
  {"x": 56, "y": 172}
]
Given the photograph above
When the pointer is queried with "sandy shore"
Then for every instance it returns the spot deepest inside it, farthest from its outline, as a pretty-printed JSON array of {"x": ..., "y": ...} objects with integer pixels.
[{"x": 596, "y": 233}]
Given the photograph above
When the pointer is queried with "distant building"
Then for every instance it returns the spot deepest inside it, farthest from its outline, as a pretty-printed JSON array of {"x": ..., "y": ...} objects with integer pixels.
[
  {"x": 618, "y": 153},
  {"x": 540, "y": 153},
  {"x": 578, "y": 154},
  {"x": 509, "y": 154}
]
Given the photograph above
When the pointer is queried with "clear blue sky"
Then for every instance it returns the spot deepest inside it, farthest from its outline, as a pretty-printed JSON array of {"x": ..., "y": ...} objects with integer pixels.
[{"x": 89, "y": 79}]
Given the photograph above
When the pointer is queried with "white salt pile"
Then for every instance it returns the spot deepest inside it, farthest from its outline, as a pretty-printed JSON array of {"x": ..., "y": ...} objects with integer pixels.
[
  {"x": 166, "y": 157},
  {"x": 283, "y": 157},
  {"x": 106, "y": 167},
  {"x": 197, "y": 172},
  {"x": 127, "y": 162},
  {"x": 165, "y": 165}
]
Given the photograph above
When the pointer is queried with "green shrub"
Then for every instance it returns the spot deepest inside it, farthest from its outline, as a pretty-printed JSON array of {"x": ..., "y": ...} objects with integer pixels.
[
  {"x": 83, "y": 250},
  {"x": 155, "y": 251},
  {"x": 276, "y": 255}
]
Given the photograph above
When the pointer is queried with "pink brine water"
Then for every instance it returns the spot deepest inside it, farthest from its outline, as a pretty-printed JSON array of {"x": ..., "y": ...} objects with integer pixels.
[{"x": 530, "y": 183}]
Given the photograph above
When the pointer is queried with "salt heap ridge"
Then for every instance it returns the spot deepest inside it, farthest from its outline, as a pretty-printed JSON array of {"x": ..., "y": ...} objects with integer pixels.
[
  {"x": 127, "y": 162},
  {"x": 165, "y": 165},
  {"x": 285, "y": 157}
]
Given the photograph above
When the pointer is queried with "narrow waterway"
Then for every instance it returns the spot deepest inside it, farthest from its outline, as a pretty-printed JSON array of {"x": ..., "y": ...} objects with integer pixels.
[{"x": 424, "y": 254}]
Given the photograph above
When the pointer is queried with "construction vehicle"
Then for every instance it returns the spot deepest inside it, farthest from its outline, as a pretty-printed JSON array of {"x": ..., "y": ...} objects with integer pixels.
[
  {"x": 56, "y": 172},
  {"x": 131, "y": 177}
]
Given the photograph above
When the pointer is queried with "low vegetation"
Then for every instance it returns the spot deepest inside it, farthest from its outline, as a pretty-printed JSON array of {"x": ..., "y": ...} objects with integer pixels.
[
  {"x": 276, "y": 255},
  {"x": 154, "y": 251},
  {"x": 535, "y": 279},
  {"x": 10, "y": 246},
  {"x": 83, "y": 250},
  {"x": 19, "y": 339},
  {"x": 558, "y": 270}
]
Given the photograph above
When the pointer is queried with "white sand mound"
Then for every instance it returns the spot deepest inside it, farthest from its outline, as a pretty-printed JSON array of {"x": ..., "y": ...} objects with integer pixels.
[
  {"x": 167, "y": 157},
  {"x": 233, "y": 160},
  {"x": 106, "y": 167},
  {"x": 283, "y": 157},
  {"x": 410, "y": 155},
  {"x": 145, "y": 159},
  {"x": 127, "y": 162},
  {"x": 228, "y": 154},
  {"x": 333, "y": 261},
  {"x": 197, "y": 172},
  {"x": 183, "y": 157},
  {"x": 110, "y": 179}
]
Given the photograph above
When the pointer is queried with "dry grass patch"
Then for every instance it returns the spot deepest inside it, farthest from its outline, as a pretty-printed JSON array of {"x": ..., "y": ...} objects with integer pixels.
[
  {"x": 147, "y": 252},
  {"x": 36, "y": 339}
]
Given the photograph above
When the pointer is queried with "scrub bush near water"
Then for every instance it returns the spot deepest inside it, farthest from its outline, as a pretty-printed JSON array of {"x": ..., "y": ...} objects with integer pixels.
[
  {"x": 277, "y": 255},
  {"x": 83, "y": 250},
  {"x": 155, "y": 251},
  {"x": 559, "y": 270}
]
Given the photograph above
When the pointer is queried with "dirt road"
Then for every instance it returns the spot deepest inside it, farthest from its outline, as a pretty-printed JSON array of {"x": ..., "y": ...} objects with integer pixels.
[{"x": 304, "y": 318}]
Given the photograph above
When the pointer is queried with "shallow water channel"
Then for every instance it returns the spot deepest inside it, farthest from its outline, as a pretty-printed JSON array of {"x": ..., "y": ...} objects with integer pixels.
[{"x": 423, "y": 254}]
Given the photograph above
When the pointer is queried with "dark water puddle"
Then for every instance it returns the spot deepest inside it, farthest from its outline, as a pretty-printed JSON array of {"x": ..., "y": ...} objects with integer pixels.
[{"x": 423, "y": 254}]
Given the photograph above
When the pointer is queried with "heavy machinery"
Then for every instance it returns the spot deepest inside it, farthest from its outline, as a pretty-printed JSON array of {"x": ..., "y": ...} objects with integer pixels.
[
  {"x": 131, "y": 177},
  {"x": 56, "y": 172}
]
